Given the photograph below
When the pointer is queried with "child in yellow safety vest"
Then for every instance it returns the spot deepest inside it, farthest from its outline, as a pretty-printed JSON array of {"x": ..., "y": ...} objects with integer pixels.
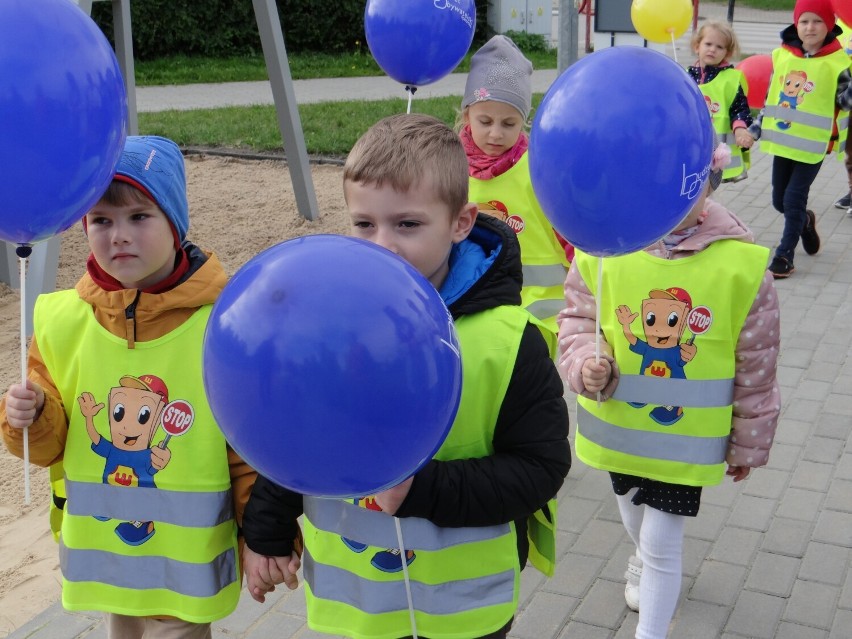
[
  {"x": 844, "y": 202},
  {"x": 802, "y": 121},
  {"x": 680, "y": 389},
  {"x": 724, "y": 89},
  {"x": 495, "y": 108},
  {"x": 114, "y": 400},
  {"x": 470, "y": 517}
]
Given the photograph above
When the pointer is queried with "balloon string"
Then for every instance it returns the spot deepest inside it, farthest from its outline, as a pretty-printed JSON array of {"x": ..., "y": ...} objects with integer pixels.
[
  {"x": 598, "y": 320},
  {"x": 674, "y": 48},
  {"x": 406, "y": 577},
  {"x": 411, "y": 91},
  {"x": 23, "y": 252}
]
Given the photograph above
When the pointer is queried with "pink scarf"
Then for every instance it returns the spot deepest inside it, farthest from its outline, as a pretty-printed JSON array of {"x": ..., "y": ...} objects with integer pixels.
[{"x": 485, "y": 167}]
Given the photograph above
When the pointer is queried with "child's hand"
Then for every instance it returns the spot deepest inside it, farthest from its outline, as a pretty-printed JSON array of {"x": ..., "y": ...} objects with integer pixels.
[
  {"x": 262, "y": 573},
  {"x": 738, "y": 472},
  {"x": 743, "y": 138},
  {"x": 23, "y": 404},
  {"x": 391, "y": 499},
  {"x": 687, "y": 351},
  {"x": 596, "y": 374}
]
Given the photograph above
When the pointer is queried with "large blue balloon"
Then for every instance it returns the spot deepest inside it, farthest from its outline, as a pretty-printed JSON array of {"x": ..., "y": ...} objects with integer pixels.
[
  {"x": 332, "y": 366},
  {"x": 620, "y": 149},
  {"x": 63, "y": 114},
  {"x": 417, "y": 42}
]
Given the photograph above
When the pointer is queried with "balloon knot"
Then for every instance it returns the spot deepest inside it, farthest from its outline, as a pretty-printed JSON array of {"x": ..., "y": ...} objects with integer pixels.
[
  {"x": 412, "y": 90},
  {"x": 23, "y": 250}
]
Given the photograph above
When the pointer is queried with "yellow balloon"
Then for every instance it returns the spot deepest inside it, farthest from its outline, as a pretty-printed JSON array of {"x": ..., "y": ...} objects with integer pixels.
[{"x": 661, "y": 20}]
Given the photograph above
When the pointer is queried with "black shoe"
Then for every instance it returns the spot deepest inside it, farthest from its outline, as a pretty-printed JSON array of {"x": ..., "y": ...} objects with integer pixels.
[
  {"x": 810, "y": 238},
  {"x": 781, "y": 267},
  {"x": 844, "y": 203}
]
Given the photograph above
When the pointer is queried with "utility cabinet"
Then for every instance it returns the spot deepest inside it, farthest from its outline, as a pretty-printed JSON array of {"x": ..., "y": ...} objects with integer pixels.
[{"x": 528, "y": 16}]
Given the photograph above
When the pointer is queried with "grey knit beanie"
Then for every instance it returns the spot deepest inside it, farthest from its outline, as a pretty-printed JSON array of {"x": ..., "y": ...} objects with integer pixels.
[{"x": 500, "y": 72}]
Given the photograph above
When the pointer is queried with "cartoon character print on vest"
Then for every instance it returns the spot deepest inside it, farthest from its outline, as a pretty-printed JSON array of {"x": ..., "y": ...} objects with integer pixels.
[
  {"x": 389, "y": 560},
  {"x": 136, "y": 408},
  {"x": 665, "y": 316},
  {"x": 712, "y": 107},
  {"x": 497, "y": 209},
  {"x": 794, "y": 86}
]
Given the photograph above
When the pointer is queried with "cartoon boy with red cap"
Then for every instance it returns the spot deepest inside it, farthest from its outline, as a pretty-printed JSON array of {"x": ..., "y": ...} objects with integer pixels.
[
  {"x": 664, "y": 317},
  {"x": 135, "y": 407}
]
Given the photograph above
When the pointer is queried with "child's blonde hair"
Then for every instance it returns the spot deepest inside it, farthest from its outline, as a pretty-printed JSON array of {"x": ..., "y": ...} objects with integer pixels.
[
  {"x": 727, "y": 32},
  {"x": 403, "y": 150}
]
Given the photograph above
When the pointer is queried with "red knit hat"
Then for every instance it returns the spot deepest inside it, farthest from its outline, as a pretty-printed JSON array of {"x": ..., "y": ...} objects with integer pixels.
[{"x": 822, "y": 8}]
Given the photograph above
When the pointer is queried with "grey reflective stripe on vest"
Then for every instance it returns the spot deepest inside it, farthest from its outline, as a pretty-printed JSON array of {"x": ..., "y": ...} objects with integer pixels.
[
  {"x": 793, "y": 142},
  {"x": 800, "y": 117},
  {"x": 543, "y": 309},
  {"x": 667, "y": 391},
  {"x": 547, "y": 275},
  {"x": 354, "y": 522},
  {"x": 650, "y": 445},
  {"x": 142, "y": 573},
  {"x": 843, "y": 121},
  {"x": 376, "y": 597},
  {"x": 191, "y": 510}
]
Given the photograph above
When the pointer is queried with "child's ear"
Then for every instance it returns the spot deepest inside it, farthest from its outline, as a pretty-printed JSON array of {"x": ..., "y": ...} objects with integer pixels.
[{"x": 464, "y": 222}]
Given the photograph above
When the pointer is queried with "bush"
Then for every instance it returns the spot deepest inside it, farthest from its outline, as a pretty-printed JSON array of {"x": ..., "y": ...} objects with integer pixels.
[
  {"x": 529, "y": 42},
  {"x": 227, "y": 28}
]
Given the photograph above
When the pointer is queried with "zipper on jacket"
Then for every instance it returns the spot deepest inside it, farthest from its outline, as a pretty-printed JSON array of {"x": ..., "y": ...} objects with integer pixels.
[{"x": 130, "y": 321}]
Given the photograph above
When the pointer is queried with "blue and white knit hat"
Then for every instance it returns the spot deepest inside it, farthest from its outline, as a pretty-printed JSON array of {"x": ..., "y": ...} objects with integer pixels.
[{"x": 154, "y": 165}]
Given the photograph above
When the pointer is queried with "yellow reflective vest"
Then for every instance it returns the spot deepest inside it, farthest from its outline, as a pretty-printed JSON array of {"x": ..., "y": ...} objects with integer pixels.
[
  {"x": 510, "y": 197},
  {"x": 148, "y": 527},
  {"x": 800, "y": 113},
  {"x": 673, "y": 326},
  {"x": 464, "y": 581},
  {"x": 719, "y": 94}
]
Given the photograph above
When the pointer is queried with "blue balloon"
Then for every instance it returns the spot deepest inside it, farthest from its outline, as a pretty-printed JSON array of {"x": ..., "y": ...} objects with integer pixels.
[
  {"x": 620, "y": 149},
  {"x": 63, "y": 115},
  {"x": 332, "y": 366},
  {"x": 418, "y": 42}
]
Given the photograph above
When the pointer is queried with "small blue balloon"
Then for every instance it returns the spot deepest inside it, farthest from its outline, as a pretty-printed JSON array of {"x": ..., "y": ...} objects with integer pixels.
[
  {"x": 620, "y": 148},
  {"x": 332, "y": 366},
  {"x": 417, "y": 42},
  {"x": 63, "y": 116}
]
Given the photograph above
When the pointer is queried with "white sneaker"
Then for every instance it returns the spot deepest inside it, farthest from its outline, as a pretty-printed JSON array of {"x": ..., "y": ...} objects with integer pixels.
[{"x": 632, "y": 575}]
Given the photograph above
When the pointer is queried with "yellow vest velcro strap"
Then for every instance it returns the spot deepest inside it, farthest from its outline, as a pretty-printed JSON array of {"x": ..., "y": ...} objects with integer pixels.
[
  {"x": 378, "y": 597},
  {"x": 668, "y": 391},
  {"x": 798, "y": 116},
  {"x": 545, "y": 275},
  {"x": 149, "y": 572},
  {"x": 652, "y": 445},
  {"x": 189, "y": 509},
  {"x": 793, "y": 141},
  {"x": 359, "y": 524}
]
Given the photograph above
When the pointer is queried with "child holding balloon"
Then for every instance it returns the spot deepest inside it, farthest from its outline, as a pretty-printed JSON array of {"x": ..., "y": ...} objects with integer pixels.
[
  {"x": 664, "y": 414},
  {"x": 723, "y": 86},
  {"x": 466, "y": 512},
  {"x": 495, "y": 107},
  {"x": 801, "y": 122},
  {"x": 149, "y": 530}
]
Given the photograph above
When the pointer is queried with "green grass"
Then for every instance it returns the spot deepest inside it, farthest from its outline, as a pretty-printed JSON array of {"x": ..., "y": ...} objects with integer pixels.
[
  {"x": 768, "y": 5},
  {"x": 189, "y": 70},
  {"x": 330, "y": 128}
]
